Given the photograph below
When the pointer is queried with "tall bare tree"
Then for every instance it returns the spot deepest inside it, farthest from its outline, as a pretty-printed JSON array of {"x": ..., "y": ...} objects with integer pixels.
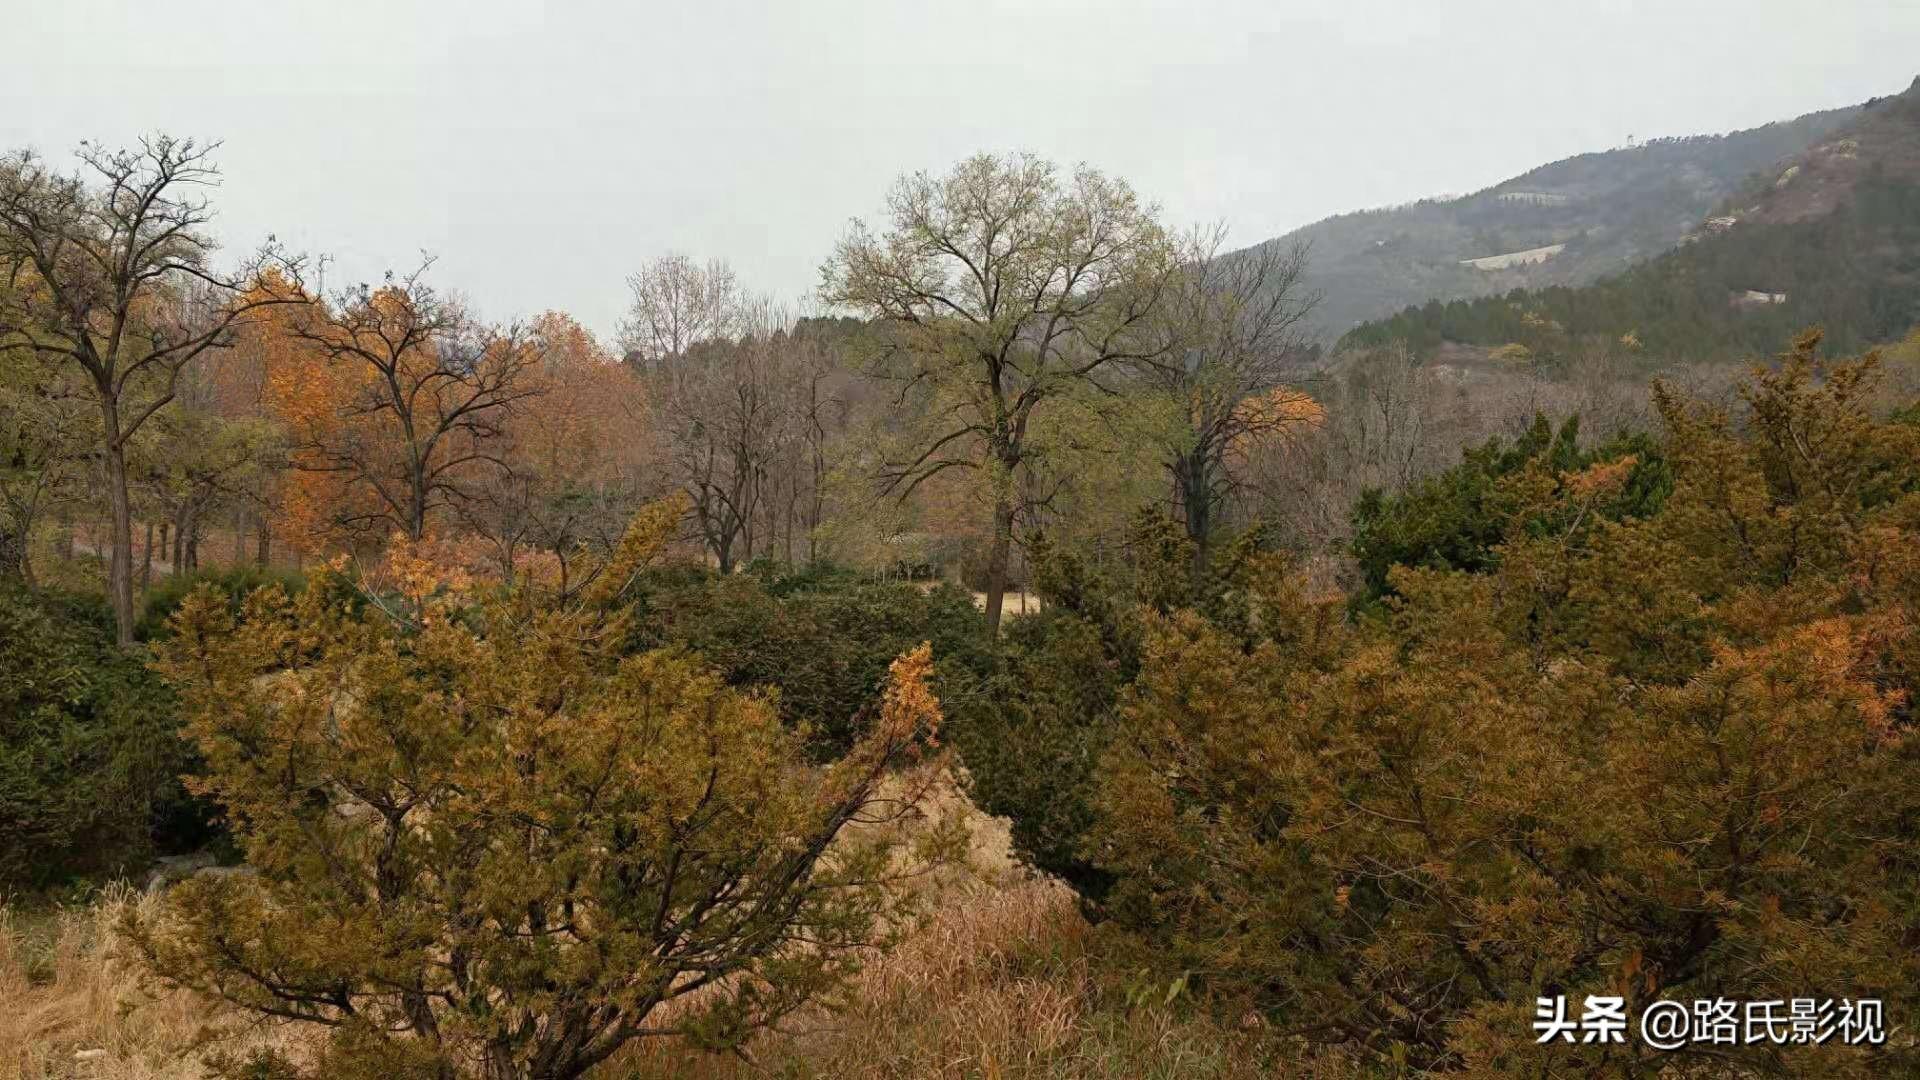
[
  {"x": 1001, "y": 287},
  {"x": 734, "y": 416},
  {"x": 815, "y": 413},
  {"x": 1389, "y": 420},
  {"x": 740, "y": 400},
  {"x": 678, "y": 303},
  {"x": 110, "y": 270},
  {"x": 1234, "y": 322}
]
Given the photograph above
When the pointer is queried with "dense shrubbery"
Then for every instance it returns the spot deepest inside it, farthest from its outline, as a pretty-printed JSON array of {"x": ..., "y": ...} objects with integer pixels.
[
  {"x": 1034, "y": 758},
  {"x": 1668, "y": 756},
  {"x": 488, "y": 839},
  {"x": 235, "y": 583},
  {"x": 1456, "y": 519},
  {"x": 89, "y": 758},
  {"x": 822, "y": 637},
  {"x": 1031, "y": 757}
]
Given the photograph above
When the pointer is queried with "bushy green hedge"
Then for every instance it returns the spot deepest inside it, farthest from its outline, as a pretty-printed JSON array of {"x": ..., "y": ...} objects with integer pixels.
[
  {"x": 1454, "y": 520},
  {"x": 1033, "y": 754},
  {"x": 822, "y": 638},
  {"x": 235, "y": 582},
  {"x": 1684, "y": 737},
  {"x": 90, "y": 758}
]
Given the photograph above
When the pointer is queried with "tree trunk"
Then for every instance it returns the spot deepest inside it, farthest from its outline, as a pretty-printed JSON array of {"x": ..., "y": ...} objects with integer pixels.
[
  {"x": 262, "y": 541},
  {"x": 499, "y": 1064},
  {"x": 13, "y": 552},
  {"x": 146, "y": 560},
  {"x": 746, "y": 526},
  {"x": 1196, "y": 498},
  {"x": 997, "y": 558},
  {"x": 417, "y": 509},
  {"x": 120, "y": 555},
  {"x": 793, "y": 501},
  {"x": 190, "y": 529}
]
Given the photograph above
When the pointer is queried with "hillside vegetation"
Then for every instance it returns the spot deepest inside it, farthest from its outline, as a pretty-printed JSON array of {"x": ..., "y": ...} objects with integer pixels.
[
  {"x": 1829, "y": 236},
  {"x": 1610, "y": 209}
]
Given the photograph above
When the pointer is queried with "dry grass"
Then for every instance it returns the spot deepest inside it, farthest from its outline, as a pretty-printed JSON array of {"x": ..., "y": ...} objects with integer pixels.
[
  {"x": 1001, "y": 980},
  {"x": 74, "y": 1004},
  {"x": 1000, "y": 984}
]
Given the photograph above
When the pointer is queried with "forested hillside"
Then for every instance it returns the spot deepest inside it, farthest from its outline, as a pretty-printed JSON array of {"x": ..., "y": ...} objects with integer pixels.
[
  {"x": 1830, "y": 237},
  {"x": 1601, "y": 211}
]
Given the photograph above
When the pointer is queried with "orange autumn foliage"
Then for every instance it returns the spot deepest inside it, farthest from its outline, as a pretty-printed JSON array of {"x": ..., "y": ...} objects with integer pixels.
[{"x": 309, "y": 397}]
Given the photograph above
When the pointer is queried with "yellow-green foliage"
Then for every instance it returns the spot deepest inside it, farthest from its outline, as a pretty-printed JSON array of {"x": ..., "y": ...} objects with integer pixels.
[
  {"x": 1670, "y": 757},
  {"x": 480, "y": 842}
]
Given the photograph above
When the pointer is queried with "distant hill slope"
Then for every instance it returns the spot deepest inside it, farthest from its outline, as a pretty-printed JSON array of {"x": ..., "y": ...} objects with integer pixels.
[
  {"x": 1570, "y": 222},
  {"x": 1829, "y": 236}
]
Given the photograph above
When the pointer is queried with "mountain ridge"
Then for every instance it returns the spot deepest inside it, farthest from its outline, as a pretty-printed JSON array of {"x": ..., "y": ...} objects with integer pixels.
[
  {"x": 1602, "y": 211},
  {"x": 1829, "y": 236}
]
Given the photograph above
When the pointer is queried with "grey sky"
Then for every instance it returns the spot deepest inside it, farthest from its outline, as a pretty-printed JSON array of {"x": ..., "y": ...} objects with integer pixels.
[{"x": 544, "y": 150}]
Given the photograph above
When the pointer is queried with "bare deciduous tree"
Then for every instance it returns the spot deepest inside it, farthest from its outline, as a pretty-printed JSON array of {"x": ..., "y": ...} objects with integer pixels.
[
  {"x": 742, "y": 402},
  {"x": 815, "y": 414},
  {"x": 677, "y": 304},
  {"x": 744, "y": 422},
  {"x": 110, "y": 269},
  {"x": 1389, "y": 420},
  {"x": 1235, "y": 325}
]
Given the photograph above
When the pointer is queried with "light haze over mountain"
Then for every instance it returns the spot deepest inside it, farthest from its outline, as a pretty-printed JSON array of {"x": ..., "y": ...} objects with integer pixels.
[{"x": 1569, "y": 222}]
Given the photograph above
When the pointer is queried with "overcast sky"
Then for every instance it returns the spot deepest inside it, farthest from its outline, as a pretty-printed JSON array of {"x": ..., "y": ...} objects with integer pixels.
[{"x": 543, "y": 151}]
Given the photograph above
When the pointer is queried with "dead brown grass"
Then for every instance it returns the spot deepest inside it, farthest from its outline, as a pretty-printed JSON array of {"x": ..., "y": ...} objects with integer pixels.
[
  {"x": 1001, "y": 979},
  {"x": 1001, "y": 983},
  {"x": 75, "y": 1004}
]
